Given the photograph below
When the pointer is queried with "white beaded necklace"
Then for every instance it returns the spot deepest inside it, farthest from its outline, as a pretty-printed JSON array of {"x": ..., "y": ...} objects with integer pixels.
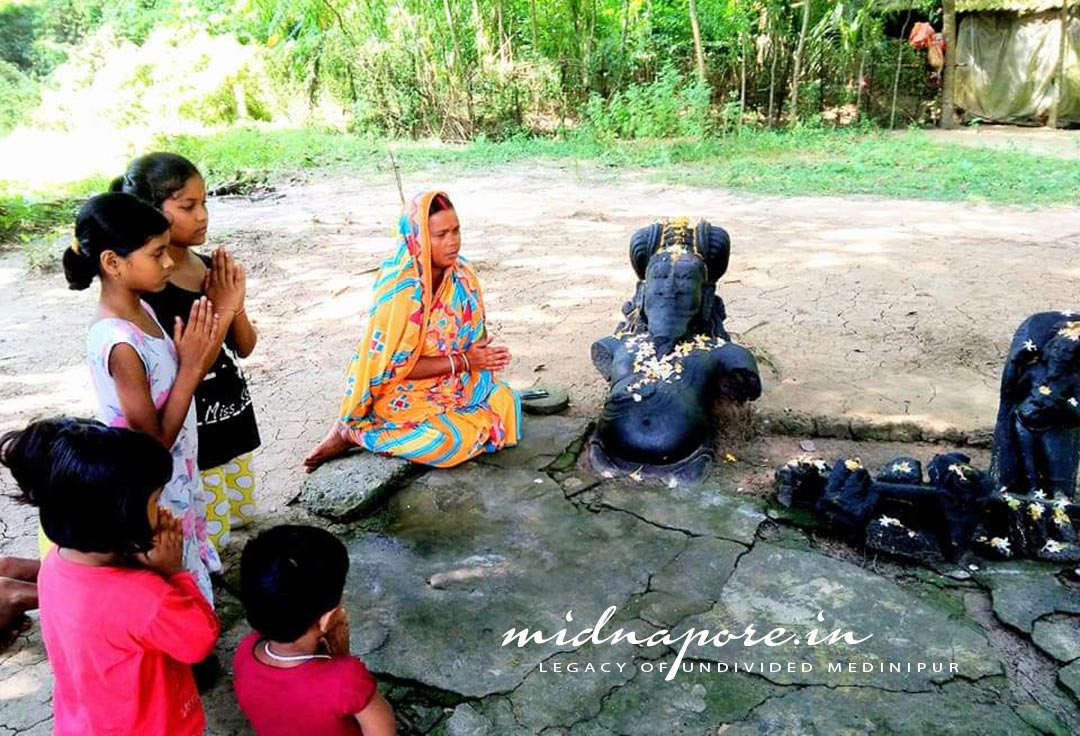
[{"x": 291, "y": 657}]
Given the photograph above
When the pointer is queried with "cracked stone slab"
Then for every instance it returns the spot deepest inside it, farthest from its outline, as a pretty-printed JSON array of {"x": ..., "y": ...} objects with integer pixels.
[
  {"x": 690, "y": 583},
  {"x": 1058, "y": 636},
  {"x": 855, "y": 710},
  {"x": 354, "y": 484},
  {"x": 508, "y": 551},
  {"x": 544, "y": 438},
  {"x": 1070, "y": 678},
  {"x": 26, "y": 685},
  {"x": 780, "y": 587},
  {"x": 691, "y": 703},
  {"x": 465, "y": 721},
  {"x": 559, "y": 698},
  {"x": 702, "y": 510},
  {"x": 1024, "y": 592}
]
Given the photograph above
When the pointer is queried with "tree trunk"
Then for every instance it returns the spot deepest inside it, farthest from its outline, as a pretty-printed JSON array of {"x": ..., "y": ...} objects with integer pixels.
[
  {"x": 506, "y": 48},
  {"x": 948, "y": 84},
  {"x": 742, "y": 79},
  {"x": 896, "y": 79},
  {"x": 535, "y": 29},
  {"x": 482, "y": 46},
  {"x": 622, "y": 42},
  {"x": 796, "y": 70},
  {"x": 1059, "y": 70},
  {"x": 699, "y": 49},
  {"x": 772, "y": 78},
  {"x": 456, "y": 65},
  {"x": 859, "y": 86}
]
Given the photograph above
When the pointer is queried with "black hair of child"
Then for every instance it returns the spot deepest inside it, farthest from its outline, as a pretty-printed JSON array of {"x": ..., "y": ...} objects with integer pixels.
[
  {"x": 290, "y": 576},
  {"x": 91, "y": 483},
  {"x": 113, "y": 221},
  {"x": 155, "y": 177}
]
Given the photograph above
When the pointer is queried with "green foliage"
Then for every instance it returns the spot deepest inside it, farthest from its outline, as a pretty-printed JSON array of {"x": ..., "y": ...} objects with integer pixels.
[
  {"x": 18, "y": 96},
  {"x": 177, "y": 76},
  {"x": 458, "y": 69},
  {"x": 18, "y": 26},
  {"x": 671, "y": 106}
]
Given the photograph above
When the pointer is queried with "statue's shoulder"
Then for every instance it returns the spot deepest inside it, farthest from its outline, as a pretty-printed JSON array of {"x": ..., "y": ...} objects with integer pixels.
[{"x": 604, "y": 353}]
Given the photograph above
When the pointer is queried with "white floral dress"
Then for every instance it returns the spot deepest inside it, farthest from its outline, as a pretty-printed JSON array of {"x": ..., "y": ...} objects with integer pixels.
[{"x": 183, "y": 495}]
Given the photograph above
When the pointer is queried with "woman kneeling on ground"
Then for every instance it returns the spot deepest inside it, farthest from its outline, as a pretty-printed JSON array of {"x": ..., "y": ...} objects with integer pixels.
[{"x": 420, "y": 384}]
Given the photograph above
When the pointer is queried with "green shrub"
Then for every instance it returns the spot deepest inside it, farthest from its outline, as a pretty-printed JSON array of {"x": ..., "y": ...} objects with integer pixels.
[
  {"x": 670, "y": 106},
  {"x": 18, "y": 96}
]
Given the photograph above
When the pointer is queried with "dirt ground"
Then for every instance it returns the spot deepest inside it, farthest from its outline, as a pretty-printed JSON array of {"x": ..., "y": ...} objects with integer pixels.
[{"x": 1040, "y": 141}]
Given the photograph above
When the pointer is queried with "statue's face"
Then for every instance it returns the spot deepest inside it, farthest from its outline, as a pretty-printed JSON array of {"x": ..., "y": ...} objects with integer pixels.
[{"x": 673, "y": 289}]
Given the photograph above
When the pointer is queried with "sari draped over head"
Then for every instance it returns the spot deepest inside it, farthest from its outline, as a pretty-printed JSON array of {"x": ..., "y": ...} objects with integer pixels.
[{"x": 441, "y": 421}]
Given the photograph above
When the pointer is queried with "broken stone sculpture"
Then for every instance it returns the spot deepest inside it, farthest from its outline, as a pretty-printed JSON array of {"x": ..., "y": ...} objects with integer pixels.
[
  {"x": 1022, "y": 508},
  {"x": 671, "y": 359},
  {"x": 1036, "y": 444}
]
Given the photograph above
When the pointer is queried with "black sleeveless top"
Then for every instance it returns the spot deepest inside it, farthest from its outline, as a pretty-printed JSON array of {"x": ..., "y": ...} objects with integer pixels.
[{"x": 223, "y": 406}]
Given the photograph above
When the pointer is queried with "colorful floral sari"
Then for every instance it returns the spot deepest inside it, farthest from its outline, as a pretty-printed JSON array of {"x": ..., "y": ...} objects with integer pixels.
[{"x": 441, "y": 421}]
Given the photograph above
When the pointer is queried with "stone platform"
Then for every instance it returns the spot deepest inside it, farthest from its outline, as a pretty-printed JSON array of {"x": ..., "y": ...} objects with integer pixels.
[{"x": 453, "y": 559}]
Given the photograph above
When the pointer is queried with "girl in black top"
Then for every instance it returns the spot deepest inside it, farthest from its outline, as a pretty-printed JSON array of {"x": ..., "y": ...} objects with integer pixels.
[{"x": 227, "y": 430}]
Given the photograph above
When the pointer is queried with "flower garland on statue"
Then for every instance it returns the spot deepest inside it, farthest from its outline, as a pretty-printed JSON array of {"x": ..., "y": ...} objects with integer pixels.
[{"x": 650, "y": 368}]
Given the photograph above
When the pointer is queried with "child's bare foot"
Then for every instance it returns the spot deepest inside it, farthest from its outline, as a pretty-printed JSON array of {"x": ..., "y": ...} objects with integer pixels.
[{"x": 332, "y": 445}]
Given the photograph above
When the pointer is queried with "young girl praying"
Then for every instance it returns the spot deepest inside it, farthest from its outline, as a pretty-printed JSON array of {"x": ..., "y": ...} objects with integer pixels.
[
  {"x": 144, "y": 380},
  {"x": 121, "y": 620},
  {"x": 223, "y": 410}
]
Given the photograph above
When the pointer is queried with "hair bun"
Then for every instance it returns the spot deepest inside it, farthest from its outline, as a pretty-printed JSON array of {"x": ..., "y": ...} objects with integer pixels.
[
  {"x": 79, "y": 265},
  {"x": 710, "y": 241}
]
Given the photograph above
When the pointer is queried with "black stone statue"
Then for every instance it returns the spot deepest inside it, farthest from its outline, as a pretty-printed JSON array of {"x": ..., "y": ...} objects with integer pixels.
[
  {"x": 671, "y": 360},
  {"x": 1037, "y": 437},
  {"x": 1023, "y": 509}
]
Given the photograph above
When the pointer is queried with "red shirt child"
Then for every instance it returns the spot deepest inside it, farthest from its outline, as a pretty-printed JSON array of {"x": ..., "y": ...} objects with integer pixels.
[
  {"x": 295, "y": 674},
  {"x": 320, "y": 696},
  {"x": 118, "y": 640}
]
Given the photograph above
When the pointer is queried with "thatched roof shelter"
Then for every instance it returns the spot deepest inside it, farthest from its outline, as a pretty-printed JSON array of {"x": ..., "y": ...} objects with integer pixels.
[{"x": 1016, "y": 61}]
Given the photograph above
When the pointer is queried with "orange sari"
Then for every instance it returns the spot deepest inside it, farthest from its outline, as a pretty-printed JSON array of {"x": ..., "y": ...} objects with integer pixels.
[{"x": 441, "y": 421}]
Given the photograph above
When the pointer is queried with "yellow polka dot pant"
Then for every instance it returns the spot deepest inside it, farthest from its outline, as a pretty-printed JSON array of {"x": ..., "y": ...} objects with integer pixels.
[{"x": 232, "y": 498}]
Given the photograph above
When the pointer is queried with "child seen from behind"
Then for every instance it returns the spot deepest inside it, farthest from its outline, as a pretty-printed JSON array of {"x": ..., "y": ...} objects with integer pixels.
[
  {"x": 295, "y": 674},
  {"x": 121, "y": 619}
]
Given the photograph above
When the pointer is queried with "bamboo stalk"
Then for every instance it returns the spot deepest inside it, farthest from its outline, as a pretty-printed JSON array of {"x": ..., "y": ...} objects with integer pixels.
[
  {"x": 948, "y": 84},
  {"x": 699, "y": 49},
  {"x": 896, "y": 79},
  {"x": 1059, "y": 71},
  {"x": 797, "y": 71}
]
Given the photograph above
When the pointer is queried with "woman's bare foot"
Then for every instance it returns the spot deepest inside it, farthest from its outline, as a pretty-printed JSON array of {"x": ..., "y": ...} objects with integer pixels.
[
  {"x": 16, "y": 598},
  {"x": 19, "y": 568},
  {"x": 332, "y": 445}
]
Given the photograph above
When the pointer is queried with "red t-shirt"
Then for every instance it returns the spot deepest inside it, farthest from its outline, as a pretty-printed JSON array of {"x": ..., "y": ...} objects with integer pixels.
[
  {"x": 121, "y": 643},
  {"x": 320, "y": 697}
]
